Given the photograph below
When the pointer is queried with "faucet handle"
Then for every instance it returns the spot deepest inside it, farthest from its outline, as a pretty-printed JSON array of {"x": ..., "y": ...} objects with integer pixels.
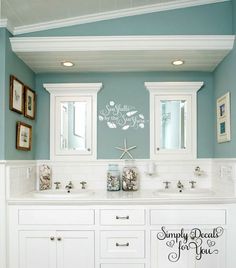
[
  {"x": 166, "y": 184},
  {"x": 192, "y": 184},
  {"x": 57, "y": 183},
  {"x": 83, "y": 183}
]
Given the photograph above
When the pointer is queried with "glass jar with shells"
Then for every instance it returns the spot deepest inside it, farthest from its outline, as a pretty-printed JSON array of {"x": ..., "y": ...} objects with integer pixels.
[
  {"x": 130, "y": 176},
  {"x": 113, "y": 178}
]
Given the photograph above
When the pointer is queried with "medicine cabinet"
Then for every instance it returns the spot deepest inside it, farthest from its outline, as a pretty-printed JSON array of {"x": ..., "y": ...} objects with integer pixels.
[
  {"x": 73, "y": 120},
  {"x": 173, "y": 119}
]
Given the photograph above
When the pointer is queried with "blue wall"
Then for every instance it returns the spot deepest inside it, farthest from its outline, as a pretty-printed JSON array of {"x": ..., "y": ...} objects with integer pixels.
[
  {"x": 224, "y": 81},
  {"x": 126, "y": 88},
  {"x": 17, "y": 68},
  {"x": 2, "y": 92},
  {"x": 206, "y": 19}
]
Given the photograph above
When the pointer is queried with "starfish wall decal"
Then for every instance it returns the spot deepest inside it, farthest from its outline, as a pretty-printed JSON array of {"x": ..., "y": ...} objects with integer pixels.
[{"x": 126, "y": 150}]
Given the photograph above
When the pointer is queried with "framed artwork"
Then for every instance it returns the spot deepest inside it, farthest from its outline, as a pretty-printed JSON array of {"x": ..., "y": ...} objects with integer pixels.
[
  {"x": 30, "y": 96},
  {"x": 16, "y": 95},
  {"x": 23, "y": 136},
  {"x": 223, "y": 118}
]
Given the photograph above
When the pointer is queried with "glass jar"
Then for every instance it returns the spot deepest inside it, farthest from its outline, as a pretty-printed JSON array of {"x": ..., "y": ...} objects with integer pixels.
[
  {"x": 130, "y": 180},
  {"x": 113, "y": 178}
]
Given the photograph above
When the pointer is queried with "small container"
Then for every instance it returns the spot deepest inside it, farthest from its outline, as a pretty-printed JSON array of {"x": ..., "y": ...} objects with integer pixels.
[
  {"x": 113, "y": 178},
  {"x": 130, "y": 180}
]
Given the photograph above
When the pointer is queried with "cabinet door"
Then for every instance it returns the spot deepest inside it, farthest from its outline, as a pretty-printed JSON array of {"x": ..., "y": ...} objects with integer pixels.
[
  {"x": 75, "y": 249},
  {"x": 37, "y": 249},
  {"x": 213, "y": 251},
  {"x": 163, "y": 254}
]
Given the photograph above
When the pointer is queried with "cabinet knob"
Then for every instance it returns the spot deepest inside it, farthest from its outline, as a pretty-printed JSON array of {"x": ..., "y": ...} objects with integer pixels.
[
  {"x": 158, "y": 149},
  {"x": 52, "y": 238},
  {"x": 122, "y": 218},
  {"x": 59, "y": 239},
  {"x": 122, "y": 245},
  {"x": 88, "y": 149}
]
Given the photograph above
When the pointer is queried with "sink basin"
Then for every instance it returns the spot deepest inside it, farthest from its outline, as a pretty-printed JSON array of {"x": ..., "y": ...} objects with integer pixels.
[
  {"x": 184, "y": 193},
  {"x": 62, "y": 193}
]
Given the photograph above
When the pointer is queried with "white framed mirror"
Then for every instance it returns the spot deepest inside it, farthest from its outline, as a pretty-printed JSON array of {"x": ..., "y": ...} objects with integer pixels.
[
  {"x": 73, "y": 121},
  {"x": 173, "y": 119}
]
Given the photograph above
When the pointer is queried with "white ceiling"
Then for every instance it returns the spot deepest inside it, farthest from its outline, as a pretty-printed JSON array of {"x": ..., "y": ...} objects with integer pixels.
[
  {"x": 33, "y": 15},
  {"x": 125, "y": 53}
]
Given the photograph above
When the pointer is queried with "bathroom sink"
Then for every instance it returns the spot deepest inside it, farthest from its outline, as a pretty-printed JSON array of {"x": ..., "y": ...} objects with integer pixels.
[
  {"x": 62, "y": 193},
  {"x": 184, "y": 192}
]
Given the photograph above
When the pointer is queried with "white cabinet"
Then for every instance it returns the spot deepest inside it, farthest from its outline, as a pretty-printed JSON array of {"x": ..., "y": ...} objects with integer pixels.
[
  {"x": 173, "y": 119},
  {"x": 37, "y": 249},
  {"x": 73, "y": 120},
  {"x": 114, "y": 236},
  {"x": 59, "y": 249},
  {"x": 169, "y": 254}
]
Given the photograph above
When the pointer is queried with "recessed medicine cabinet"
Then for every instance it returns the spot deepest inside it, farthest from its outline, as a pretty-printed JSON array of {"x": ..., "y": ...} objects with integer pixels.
[
  {"x": 173, "y": 119},
  {"x": 73, "y": 120}
]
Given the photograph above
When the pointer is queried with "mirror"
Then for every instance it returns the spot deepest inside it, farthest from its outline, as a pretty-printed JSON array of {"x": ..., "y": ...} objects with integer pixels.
[
  {"x": 173, "y": 124},
  {"x": 73, "y": 125}
]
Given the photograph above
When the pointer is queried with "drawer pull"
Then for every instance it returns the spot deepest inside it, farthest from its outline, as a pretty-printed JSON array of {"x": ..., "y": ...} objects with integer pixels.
[
  {"x": 122, "y": 218},
  {"x": 59, "y": 239},
  {"x": 52, "y": 238},
  {"x": 122, "y": 245}
]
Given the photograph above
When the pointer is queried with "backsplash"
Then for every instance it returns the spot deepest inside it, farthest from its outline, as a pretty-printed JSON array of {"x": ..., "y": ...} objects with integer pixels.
[{"x": 23, "y": 176}]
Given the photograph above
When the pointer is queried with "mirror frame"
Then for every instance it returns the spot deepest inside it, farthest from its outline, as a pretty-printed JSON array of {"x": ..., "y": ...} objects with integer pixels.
[
  {"x": 70, "y": 91},
  {"x": 171, "y": 90}
]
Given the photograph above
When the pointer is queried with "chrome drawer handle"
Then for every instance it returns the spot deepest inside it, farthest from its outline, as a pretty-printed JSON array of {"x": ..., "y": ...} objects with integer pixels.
[
  {"x": 122, "y": 218},
  {"x": 122, "y": 245}
]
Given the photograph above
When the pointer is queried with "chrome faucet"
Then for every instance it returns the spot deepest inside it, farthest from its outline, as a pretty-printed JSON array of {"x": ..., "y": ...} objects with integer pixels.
[
  {"x": 69, "y": 186},
  {"x": 180, "y": 186}
]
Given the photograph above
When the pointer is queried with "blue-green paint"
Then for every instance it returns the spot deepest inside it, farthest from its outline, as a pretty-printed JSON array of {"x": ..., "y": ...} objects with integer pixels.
[
  {"x": 2, "y": 92},
  {"x": 205, "y": 19},
  {"x": 18, "y": 68},
  {"x": 224, "y": 81},
  {"x": 126, "y": 88}
]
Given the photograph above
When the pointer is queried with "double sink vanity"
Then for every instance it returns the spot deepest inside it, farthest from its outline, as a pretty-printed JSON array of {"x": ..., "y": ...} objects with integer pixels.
[{"x": 99, "y": 229}]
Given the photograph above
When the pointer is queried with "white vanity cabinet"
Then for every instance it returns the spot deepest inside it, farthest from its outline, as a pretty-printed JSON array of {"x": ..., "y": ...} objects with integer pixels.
[
  {"x": 53, "y": 249},
  {"x": 111, "y": 236}
]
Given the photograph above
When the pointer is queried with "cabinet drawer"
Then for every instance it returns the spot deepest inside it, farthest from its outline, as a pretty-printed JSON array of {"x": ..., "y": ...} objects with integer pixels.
[
  {"x": 122, "y": 265},
  {"x": 122, "y": 244},
  {"x": 56, "y": 216},
  {"x": 185, "y": 216},
  {"x": 122, "y": 217}
]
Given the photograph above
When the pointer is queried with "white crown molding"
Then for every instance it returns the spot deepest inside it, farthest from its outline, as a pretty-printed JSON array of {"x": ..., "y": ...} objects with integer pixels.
[
  {"x": 68, "y": 88},
  {"x": 167, "y": 87},
  {"x": 177, "y": 4},
  {"x": 122, "y": 43},
  {"x": 4, "y": 23}
]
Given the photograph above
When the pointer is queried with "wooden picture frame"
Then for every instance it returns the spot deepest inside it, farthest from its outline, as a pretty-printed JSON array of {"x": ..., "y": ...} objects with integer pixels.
[
  {"x": 223, "y": 118},
  {"x": 16, "y": 95},
  {"x": 23, "y": 136},
  {"x": 30, "y": 100}
]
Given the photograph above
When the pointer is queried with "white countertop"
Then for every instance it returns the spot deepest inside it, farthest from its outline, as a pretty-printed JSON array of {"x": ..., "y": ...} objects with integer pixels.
[{"x": 121, "y": 197}]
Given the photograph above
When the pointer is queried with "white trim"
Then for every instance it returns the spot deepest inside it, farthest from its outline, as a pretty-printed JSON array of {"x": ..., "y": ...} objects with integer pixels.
[
  {"x": 177, "y": 4},
  {"x": 4, "y": 23},
  {"x": 121, "y": 43},
  {"x": 184, "y": 89},
  {"x": 72, "y": 88},
  {"x": 75, "y": 90}
]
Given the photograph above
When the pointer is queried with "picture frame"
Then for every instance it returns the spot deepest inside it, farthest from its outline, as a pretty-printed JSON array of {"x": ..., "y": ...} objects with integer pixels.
[
  {"x": 16, "y": 95},
  {"x": 23, "y": 136},
  {"x": 30, "y": 101},
  {"x": 223, "y": 118}
]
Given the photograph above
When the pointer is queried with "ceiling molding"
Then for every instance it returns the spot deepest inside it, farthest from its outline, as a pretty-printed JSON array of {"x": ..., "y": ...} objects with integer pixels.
[
  {"x": 112, "y": 15},
  {"x": 4, "y": 23},
  {"x": 122, "y": 43}
]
